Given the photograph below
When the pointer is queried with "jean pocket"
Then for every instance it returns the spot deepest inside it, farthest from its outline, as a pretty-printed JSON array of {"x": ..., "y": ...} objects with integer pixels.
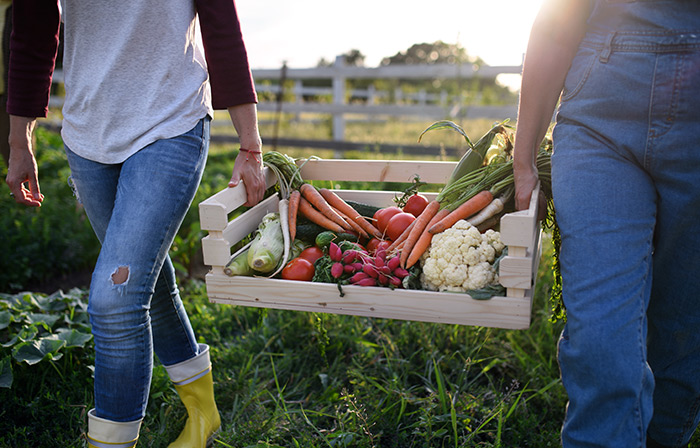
[{"x": 578, "y": 73}]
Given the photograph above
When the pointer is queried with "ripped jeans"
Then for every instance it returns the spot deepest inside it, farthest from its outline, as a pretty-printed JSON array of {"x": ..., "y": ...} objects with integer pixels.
[{"x": 136, "y": 208}]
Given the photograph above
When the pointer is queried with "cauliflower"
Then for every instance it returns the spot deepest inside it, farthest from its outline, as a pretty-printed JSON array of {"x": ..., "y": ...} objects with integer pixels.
[{"x": 461, "y": 259}]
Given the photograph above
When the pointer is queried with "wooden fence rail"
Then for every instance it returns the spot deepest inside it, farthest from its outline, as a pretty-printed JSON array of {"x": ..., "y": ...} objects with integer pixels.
[{"x": 338, "y": 100}]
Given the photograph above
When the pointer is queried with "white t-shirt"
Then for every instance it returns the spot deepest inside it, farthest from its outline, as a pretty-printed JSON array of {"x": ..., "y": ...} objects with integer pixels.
[{"x": 134, "y": 73}]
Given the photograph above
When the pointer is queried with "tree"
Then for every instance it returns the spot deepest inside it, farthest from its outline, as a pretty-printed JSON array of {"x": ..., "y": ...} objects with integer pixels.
[{"x": 436, "y": 53}]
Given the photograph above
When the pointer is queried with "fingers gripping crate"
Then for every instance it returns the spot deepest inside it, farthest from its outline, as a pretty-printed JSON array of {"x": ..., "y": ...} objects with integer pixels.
[{"x": 520, "y": 231}]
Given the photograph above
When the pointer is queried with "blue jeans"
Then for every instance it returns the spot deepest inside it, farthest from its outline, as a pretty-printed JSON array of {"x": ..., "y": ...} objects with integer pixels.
[
  {"x": 136, "y": 208},
  {"x": 626, "y": 185}
]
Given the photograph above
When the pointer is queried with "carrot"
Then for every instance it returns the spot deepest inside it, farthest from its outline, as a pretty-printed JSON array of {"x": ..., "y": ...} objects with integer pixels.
[
  {"x": 315, "y": 216},
  {"x": 464, "y": 211},
  {"x": 294, "y": 197},
  {"x": 353, "y": 224},
  {"x": 342, "y": 206},
  {"x": 419, "y": 226},
  {"x": 425, "y": 238},
  {"x": 312, "y": 195}
]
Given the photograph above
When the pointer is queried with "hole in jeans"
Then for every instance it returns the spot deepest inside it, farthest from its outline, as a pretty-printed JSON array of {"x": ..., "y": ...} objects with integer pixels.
[{"x": 120, "y": 276}]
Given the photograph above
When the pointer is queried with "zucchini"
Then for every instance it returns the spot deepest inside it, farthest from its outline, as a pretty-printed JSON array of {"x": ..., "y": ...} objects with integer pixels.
[
  {"x": 308, "y": 231},
  {"x": 363, "y": 209}
]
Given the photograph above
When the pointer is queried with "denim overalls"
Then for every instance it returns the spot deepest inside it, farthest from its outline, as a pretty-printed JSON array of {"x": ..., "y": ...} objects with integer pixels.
[{"x": 626, "y": 184}]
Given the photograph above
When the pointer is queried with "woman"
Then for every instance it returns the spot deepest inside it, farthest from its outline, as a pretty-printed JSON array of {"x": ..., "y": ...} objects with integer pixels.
[
  {"x": 141, "y": 85},
  {"x": 626, "y": 186}
]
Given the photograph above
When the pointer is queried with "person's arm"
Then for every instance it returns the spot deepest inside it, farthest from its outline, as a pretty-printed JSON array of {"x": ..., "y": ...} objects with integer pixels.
[
  {"x": 554, "y": 40},
  {"x": 248, "y": 164},
  {"x": 33, "y": 48},
  {"x": 233, "y": 89}
]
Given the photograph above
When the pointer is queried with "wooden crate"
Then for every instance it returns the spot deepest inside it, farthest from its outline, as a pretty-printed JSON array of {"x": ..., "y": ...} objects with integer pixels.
[{"x": 520, "y": 231}]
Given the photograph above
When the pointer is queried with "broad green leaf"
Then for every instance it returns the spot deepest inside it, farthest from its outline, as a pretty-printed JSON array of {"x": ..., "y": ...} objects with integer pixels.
[
  {"x": 11, "y": 342},
  {"x": 5, "y": 319},
  {"x": 28, "y": 333},
  {"x": 6, "y": 372},
  {"x": 40, "y": 318},
  {"x": 33, "y": 352},
  {"x": 74, "y": 338}
]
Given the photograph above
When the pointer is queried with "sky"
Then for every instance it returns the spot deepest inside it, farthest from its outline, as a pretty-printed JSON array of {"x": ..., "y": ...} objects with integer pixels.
[{"x": 301, "y": 32}]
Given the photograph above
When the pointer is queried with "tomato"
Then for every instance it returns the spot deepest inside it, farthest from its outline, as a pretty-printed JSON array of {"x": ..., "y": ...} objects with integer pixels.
[
  {"x": 416, "y": 204},
  {"x": 299, "y": 269},
  {"x": 398, "y": 223},
  {"x": 383, "y": 244},
  {"x": 311, "y": 253},
  {"x": 383, "y": 215},
  {"x": 372, "y": 245},
  {"x": 375, "y": 243}
]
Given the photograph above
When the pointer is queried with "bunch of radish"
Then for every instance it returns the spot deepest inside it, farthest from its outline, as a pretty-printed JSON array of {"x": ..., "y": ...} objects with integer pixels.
[{"x": 364, "y": 268}]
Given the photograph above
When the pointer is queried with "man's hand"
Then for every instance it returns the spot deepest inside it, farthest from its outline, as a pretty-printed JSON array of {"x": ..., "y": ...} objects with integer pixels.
[{"x": 22, "y": 172}]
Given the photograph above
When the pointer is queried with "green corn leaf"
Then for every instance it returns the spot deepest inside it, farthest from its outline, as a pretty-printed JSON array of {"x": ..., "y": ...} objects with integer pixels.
[{"x": 446, "y": 124}]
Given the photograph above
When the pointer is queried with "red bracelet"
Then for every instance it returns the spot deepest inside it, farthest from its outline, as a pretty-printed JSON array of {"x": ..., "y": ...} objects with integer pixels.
[{"x": 251, "y": 151}]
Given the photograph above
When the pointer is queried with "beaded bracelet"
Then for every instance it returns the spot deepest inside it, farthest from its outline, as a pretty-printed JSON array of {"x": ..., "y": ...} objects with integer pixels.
[{"x": 251, "y": 151}]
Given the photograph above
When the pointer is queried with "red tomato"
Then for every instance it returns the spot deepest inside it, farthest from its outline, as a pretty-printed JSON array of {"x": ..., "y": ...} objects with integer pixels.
[
  {"x": 376, "y": 243},
  {"x": 372, "y": 245},
  {"x": 299, "y": 269},
  {"x": 397, "y": 224},
  {"x": 416, "y": 204},
  {"x": 383, "y": 244},
  {"x": 383, "y": 215},
  {"x": 311, "y": 253}
]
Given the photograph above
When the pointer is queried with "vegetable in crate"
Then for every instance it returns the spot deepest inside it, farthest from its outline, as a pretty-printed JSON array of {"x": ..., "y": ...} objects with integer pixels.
[
  {"x": 461, "y": 259},
  {"x": 267, "y": 248}
]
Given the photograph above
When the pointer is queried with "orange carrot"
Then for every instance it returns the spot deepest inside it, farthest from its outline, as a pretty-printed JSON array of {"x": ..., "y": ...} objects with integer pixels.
[
  {"x": 312, "y": 195},
  {"x": 464, "y": 211},
  {"x": 419, "y": 226},
  {"x": 356, "y": 228},
  {"x": 424, "y": 240},
  {"x": 294, "y": 197},
  {"x": 315, "y": 216},
  {"x": 342, "y": 206}
]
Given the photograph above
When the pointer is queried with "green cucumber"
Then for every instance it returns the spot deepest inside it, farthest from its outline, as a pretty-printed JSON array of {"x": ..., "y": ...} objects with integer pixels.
[{"x": 324, "y": 239}]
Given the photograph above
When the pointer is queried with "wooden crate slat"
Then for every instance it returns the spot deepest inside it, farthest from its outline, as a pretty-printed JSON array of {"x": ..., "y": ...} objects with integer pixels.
[
  {"x": 376, "y": 170},
  {"x": 448, "y": 308},
  {"x": 213, "y": 211}
]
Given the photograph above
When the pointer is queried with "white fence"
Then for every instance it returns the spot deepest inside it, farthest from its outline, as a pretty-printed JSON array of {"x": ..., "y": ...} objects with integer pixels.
[{"x": 339, "y": 101}]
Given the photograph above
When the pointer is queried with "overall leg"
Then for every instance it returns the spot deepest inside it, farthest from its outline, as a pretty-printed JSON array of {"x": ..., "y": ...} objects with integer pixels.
[
  {"x": 674, "y": 309},
  {"x": 605, "y": 208}
]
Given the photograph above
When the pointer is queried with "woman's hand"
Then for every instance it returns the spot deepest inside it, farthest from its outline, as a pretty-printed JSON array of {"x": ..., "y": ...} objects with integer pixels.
[
  {"x": 248, "y": 166},
  {"x": 248, "y": 169},
  {"x": 22, "y": 167}
]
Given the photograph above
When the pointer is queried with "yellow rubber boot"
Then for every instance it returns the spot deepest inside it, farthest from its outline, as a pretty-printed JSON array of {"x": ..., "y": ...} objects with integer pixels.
[
  {"x": 103, "y": 433},
  {"x": 194, "y": 383}
]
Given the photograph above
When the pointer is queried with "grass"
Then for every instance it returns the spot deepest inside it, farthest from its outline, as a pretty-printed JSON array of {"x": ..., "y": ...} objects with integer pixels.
[{"x": 288, "y": 379}]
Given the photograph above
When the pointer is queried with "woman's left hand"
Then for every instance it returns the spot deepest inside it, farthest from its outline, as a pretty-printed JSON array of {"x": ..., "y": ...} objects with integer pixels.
[{"x": 248, "y": 169}]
